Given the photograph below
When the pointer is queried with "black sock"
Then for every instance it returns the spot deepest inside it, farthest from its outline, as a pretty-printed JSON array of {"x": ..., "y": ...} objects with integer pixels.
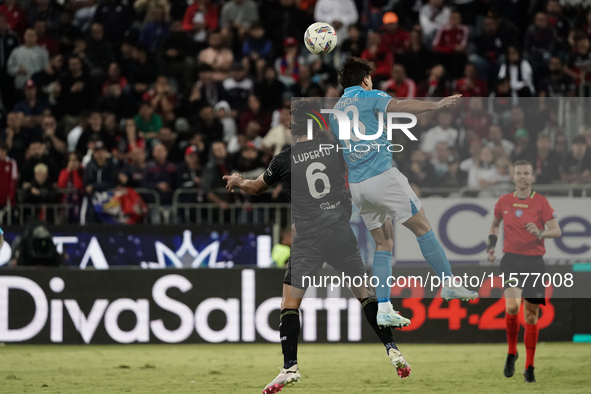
[
  {"x": 289, "y": 329},
  {"x": 370, "y": 307}
]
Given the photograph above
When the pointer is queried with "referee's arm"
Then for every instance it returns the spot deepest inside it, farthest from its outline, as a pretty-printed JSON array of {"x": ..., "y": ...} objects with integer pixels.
[
  {"x": 553, "y": 230},
  {"x": 492, "y": 238}
]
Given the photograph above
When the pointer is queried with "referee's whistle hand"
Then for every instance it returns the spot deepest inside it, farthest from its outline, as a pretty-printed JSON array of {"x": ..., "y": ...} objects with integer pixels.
[
  {"x": 491, "y": 256},
  {"x": 532, "y": 229}
]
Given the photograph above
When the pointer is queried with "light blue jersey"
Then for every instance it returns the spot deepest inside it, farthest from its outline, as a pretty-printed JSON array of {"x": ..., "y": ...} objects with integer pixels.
[{"x": 370, "y": 158}]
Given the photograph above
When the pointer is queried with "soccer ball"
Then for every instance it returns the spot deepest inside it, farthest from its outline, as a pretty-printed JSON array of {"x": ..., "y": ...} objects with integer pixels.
[{"x": 320, "y": 38}]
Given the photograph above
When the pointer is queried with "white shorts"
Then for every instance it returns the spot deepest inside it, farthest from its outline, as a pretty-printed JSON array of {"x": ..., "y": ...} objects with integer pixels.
[{"x": 384, "y": 196}]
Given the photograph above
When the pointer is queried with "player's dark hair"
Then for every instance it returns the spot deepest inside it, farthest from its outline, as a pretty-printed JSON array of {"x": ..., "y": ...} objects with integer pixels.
[
  {"x": 523, "y": 163},
  {"x": 354, "y": 70},
  {"x": 299, "y": 122}
]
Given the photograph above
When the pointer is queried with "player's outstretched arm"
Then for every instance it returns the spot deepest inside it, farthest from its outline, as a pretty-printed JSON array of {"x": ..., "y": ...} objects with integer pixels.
[
  {"x": 417, "y": 106},
  {"x": 250, "y": 186},
  {"x": 492, "y": 239},
  {"x": 553, "y": 230}
]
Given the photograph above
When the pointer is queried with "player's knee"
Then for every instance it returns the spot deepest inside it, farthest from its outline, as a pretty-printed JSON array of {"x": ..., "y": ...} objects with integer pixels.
[
  {"x": 531, "y": 318},
  {"x": 512, "y": 309}
]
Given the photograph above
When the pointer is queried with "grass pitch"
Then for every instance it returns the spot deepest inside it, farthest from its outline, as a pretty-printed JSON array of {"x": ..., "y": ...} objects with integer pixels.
[{"x": 334, "y": 368}]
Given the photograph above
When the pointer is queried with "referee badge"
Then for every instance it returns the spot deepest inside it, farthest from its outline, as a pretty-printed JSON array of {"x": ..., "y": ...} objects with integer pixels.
[{"x": 518, "y": 213}]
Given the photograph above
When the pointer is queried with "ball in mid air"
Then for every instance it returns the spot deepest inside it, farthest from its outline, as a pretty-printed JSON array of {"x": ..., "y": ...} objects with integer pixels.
[{"x": 320, "y": 38}]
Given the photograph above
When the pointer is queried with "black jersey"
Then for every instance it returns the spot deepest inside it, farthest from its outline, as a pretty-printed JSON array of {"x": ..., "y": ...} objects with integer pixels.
[{"x": 315, "y": 184}]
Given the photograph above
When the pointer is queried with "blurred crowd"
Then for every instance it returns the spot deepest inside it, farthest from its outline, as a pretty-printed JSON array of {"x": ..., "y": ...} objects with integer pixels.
[{"x": 174, "y": 94}]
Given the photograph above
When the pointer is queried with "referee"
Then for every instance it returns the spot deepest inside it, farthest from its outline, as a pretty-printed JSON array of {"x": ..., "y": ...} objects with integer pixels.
[{"x": 528, "y": 219}]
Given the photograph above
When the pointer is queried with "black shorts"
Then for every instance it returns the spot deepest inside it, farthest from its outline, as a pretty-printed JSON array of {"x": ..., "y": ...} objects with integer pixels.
[
  {"x": 532, "y": 286},
  {"x": 335, "y": 244}
]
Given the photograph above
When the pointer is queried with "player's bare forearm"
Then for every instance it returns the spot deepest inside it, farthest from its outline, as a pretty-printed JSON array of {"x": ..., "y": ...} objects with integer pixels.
[
  {"x": 553, "y": 230},
  {"x": 494, "y": 227},
  {"x": 417, "y": 106},
  {"x": 250, "y": 186}
]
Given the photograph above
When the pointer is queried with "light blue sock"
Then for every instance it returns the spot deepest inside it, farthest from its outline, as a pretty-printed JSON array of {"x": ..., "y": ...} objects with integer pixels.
[
  {"x": 434, "y": 254},
  {"x": 382, "y": 269}
]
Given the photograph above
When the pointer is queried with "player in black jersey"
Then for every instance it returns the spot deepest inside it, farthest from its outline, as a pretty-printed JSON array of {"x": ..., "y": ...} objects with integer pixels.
[{"x": 321, "y": 209}]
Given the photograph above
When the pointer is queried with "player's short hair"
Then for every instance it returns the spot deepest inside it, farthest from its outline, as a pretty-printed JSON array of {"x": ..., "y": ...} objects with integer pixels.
[
  {"x": 523, "y": 163},
  {"x": 299, "y": 123},
  {"x": 354, "y": 70}
]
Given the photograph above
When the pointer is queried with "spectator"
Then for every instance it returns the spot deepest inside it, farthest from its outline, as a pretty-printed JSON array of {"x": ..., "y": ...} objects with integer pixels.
[
  {"x": 36, "y": 154},
  {"x": 215, "y": 169},
  {"x": 147, "y": 121},
  {"x": 188, "y": 174},
  {"x": 114, "y": 101},
  {"x": 238, "y": 87},
  {"x": 547, "y": 162},
  {"x": 130, "y": 140},
  {"x": 288, "y": 65},
  {"x": 454, "y": 177},
  {"x": 209, "y": 126},
  {"x": 502, "y": 100},
  {"x": 248, "y": 162},
  {"x": 162, "y": 98},
  {"x": 418, "y": 60},
  {"x": 522, "y": 149},
  {"x": 98, "y": 50},
  {"x": 43, "y": 40},
  {"x": 443, "y": 132},
  {"x": 47, "y": 11},
  {"x": 16, "y": 141},
  {"x": 160, "y": 174},
  {"x": 476, "y": 118},
  {"x": 495, "y": 139},
  {"x": 8, "y": 177},
  {"x": 323, "y": 74},
  {"x": 432, "y": 16},
  {"x": 176, "y": 55},
  {"x": 558, "y": 21},
  {"x": 439, "y": 160},
  {"x": 435, "y": 86},
  {"x": 393, "y": 36},
  {"x": 490, "y": 46},
  {"x": 420, "y": 172},
  {"x": 474, "y": 151},
  {"x": 257, "y": 46},
  {"x": 294, "y": 21},
  {"x": 251, "y": 134},
  {"x": 354, "y": 44},
  {"x": 47, "y": 79},
  {"x": 471, "y": 85},
  {"x": 101, "y": 172},
  {"x": 558, "y": 84},
  {"x": 154, "y": 32},
  {"x": 76, "y": 94},
  {"x": 116, "y": 16},
  {"x": 399, "y": 85},
  {"x": 254, "y": 112},
  {"x": 380, "y": 55},
  {"x": 449, "y": 45},
  {"x": 134, "y": 173},
  {"x": 33, "y": 109},
  {"x": 519, "y": 72},
  {"x": 576, "y": 167},
  {"x": 223, "y": 113},
  {"x": 339, "y": 13},
  {"x": 483, "y": 173},
  {"x": 305, "y": 87},
  {"x": 95, "y": 128},
  {"x": 54, "y": 139},
  {"x": 168, "y": 138},
  {"x": 504, "y": 169},
  {"x": 539, "y": 43},
  {"x": 142, "y": 71},
  {"x": 239, "y": 14},
  {"x": 27, "y": 59},
  {"x": 200, "y": 18},
  {"x": 40, "y": 190},
  {"x": 585, "y": 131},
  {"x": 279, "y": 136},
  {"x": 579, "y": 61},
  {"x": 16, "y": 17},
  {"x": 72, "y": 177},
  {"x": 148, "y": 9},
  {"x": 270, "y": 90},
  {"x": 219, "y": 58},
  {"x": 9, "y": 41}
]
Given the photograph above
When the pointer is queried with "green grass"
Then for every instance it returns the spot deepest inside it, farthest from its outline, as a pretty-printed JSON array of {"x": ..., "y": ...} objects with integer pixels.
[{"x": 334, "y": 368}]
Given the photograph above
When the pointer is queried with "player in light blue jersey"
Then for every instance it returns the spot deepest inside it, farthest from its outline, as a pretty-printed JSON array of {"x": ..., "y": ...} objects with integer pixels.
[{"x": 379, "y": 190}]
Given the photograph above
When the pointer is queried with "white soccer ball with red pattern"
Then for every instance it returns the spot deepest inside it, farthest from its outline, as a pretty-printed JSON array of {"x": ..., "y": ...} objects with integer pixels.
[{"x": 320, "y": 38}]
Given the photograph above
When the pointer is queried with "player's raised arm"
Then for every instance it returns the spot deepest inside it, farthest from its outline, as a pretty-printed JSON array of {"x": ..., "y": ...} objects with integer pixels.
[
  {"x": 492, "y": 238},
  {"x": 417, "y": 106},
  {"x": 250, "y": 186}
]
